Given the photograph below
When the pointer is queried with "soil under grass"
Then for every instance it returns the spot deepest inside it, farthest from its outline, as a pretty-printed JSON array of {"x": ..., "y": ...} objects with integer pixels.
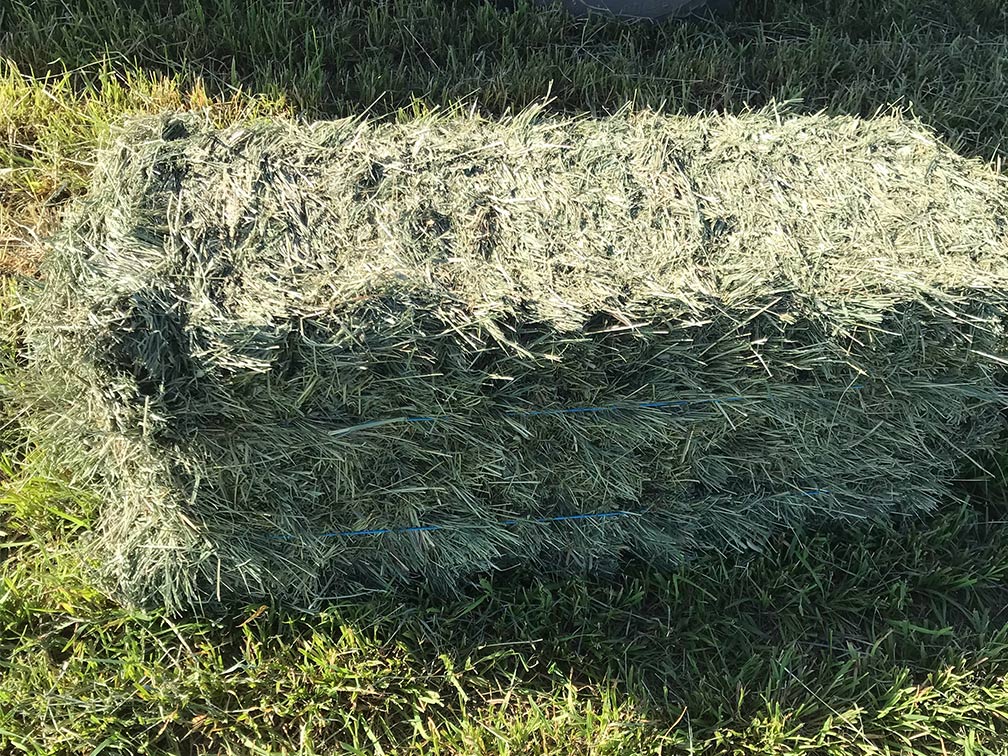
[{"x": 888, "y": 639}]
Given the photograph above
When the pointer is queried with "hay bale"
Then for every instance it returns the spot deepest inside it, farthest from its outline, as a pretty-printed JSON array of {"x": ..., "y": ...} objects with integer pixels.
[{"x": 261, "y": 344}]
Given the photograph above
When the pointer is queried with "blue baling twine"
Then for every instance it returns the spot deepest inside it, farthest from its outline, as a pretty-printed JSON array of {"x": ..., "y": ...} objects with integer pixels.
[
  {"x": 678, "y": 403},
  {"x": 506, "y": 523}
]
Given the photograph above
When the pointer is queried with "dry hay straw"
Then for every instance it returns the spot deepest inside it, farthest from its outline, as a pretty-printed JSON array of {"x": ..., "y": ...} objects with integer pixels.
[{"x": 252, "y": 341}]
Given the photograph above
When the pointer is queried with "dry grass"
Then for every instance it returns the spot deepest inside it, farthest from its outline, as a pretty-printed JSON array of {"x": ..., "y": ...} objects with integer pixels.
[{"x": 255, "y": 338}]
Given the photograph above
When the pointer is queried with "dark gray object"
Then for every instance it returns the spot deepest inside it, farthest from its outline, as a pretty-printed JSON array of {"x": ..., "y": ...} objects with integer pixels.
[{"x": 644, "y": 9}]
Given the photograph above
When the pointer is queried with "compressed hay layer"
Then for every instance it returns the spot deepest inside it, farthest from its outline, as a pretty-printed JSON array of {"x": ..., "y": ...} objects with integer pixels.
[{"x": 256, "y": 342}]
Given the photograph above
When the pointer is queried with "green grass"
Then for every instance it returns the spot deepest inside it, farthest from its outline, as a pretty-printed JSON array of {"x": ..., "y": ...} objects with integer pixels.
[{"x": 882, "y": 639}]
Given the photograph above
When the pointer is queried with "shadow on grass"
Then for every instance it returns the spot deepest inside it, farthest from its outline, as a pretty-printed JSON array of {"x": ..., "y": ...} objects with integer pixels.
[
  {"x": 848, "y": 639},
  {"x": 821, "y": 625},
  {"x": 946, "y": 61}
]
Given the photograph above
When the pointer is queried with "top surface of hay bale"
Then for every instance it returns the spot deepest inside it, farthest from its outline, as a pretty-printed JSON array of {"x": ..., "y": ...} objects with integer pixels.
[
  {"x": 568, "y": 218},
  {"x": 348, "y": 326}
]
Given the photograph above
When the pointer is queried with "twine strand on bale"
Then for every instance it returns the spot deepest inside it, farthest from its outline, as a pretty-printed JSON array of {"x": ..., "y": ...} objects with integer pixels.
[
  {"x": 508, "y": 523},
  {"x": 505, "y": 523}
]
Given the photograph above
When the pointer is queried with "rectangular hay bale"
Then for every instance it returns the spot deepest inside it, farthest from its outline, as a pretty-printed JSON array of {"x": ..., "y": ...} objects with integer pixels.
[{"x": 291, "y": 358}]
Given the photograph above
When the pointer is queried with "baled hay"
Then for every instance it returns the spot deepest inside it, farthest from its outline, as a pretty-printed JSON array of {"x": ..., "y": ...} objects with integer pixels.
[{"x": 256, "y": 343}]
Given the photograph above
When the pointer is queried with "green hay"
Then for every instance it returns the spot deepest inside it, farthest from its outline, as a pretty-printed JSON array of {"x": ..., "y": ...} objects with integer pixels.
[{"x": 237, "y": 326}]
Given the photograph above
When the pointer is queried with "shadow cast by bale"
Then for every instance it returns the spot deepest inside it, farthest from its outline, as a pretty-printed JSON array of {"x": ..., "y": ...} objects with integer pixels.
[{"x": 857, "y": 634}]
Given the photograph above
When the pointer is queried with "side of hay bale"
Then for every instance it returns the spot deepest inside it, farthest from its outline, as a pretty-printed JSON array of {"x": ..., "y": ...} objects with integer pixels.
[{"x": 262, "y": 344}]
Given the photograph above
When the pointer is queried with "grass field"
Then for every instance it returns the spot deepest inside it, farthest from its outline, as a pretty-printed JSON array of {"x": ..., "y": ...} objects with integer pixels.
[{"x": 885, "y": 638}]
